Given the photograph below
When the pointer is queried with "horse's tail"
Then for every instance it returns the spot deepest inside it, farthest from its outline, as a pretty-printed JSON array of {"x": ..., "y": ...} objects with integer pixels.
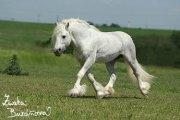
[{"x": 144, "y": 76}]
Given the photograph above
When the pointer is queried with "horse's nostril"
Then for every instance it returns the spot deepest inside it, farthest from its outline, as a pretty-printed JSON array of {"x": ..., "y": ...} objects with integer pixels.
[
  {"x": 57, "y": 52},
  {"x": 59, "y": 49}
]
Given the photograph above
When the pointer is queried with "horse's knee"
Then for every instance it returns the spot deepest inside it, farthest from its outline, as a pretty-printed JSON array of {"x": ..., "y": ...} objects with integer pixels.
[
  {"x": 136, "y": 74},
  {"x": 80, "y": 75}
]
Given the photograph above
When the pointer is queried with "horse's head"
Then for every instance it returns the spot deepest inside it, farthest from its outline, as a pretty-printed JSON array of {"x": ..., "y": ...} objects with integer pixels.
[{"x": 61, "y": 38}]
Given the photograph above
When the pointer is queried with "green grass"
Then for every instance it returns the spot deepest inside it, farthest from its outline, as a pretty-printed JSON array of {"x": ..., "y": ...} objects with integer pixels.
[
  {"x": 14, "y": 34},
  {"x": 51, "y": 77}
]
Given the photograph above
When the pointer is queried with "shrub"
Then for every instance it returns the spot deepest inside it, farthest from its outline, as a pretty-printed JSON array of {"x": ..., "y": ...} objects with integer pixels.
[{"x": 13, "y": 67}]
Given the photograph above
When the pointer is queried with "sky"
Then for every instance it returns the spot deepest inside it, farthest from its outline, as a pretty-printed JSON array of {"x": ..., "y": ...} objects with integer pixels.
[{"x": 158, "y": 14}]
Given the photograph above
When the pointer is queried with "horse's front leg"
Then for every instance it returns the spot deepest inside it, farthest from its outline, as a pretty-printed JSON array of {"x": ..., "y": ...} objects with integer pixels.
[
  {"x": 80, "y": 90},
  {"x": 100, "y": 90}
]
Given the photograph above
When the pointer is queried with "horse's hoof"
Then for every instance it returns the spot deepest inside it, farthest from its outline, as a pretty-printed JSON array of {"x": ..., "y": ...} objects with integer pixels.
[
  {"x": 77, "y": 91},
  {"x": 110, "y": 90},
  {"x": 105, "y": 93},
  {"x": 100, "y": 95},
  {"x": 144, "y": 88},
  {"x": 145, "y": 94},
  {"x": 73, "y": 92}
]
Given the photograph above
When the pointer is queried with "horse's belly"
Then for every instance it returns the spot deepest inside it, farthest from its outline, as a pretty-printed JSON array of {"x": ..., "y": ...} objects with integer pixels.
[{"x": 106, "y": 58}]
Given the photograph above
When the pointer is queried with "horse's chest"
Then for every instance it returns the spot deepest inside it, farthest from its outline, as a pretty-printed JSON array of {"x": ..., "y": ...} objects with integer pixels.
[{"x": 81, "y": 55}]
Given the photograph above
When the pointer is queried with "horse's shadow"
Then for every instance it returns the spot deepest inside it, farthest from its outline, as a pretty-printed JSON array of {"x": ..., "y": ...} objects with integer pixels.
[{"x": 94, "y": 97}]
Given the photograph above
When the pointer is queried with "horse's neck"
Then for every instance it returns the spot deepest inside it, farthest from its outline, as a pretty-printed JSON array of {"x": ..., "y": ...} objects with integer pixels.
[{"x": 79, "y": 33}]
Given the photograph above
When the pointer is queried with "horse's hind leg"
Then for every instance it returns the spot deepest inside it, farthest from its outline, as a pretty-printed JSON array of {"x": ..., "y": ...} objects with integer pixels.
[
  {"x": 110, "y": 68},
  {"x": 130, "y": 57}
]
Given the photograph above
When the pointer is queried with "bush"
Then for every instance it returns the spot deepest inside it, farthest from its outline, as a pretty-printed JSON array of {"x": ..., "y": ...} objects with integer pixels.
[{"x": 13, "y": 67}]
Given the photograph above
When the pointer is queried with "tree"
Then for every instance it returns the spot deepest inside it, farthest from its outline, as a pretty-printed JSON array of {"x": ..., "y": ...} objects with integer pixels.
[
  {"x": 115, "y": 25},
  {"x": 104, "y": 25}
]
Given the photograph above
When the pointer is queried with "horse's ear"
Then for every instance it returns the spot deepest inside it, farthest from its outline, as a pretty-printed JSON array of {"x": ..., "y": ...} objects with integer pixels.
[{"x": 67, "y": 26}]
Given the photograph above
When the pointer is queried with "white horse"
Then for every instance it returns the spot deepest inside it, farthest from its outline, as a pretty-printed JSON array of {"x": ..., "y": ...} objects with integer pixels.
[{"x": 90, "y": 46}]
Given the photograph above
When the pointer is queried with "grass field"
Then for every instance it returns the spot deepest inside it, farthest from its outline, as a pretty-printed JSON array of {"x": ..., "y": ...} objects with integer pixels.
[{"x": 51, "y": 77}]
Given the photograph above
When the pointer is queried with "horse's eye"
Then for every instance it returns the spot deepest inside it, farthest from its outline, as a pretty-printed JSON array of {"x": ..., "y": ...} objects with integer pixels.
[{"x": 63, "y": 36}]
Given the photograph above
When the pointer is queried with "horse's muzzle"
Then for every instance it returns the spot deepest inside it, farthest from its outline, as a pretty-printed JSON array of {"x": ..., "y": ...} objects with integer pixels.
[{"x": 58, "y": 52}]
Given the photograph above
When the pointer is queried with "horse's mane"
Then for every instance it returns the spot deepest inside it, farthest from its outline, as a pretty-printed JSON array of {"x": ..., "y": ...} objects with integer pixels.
[
  {"x": 79, "y": 21},
  {"x": 57, "y": 29}
]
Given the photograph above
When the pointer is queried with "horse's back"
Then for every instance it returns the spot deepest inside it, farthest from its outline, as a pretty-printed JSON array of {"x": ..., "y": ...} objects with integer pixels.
[
  {"x": 122, "y": 39},
  {"x": 125, "y": 39},
  {"x": 122, "y": 36},
  {"x": 114, "y": 44},
  {"x": 111, "y": 45}
]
